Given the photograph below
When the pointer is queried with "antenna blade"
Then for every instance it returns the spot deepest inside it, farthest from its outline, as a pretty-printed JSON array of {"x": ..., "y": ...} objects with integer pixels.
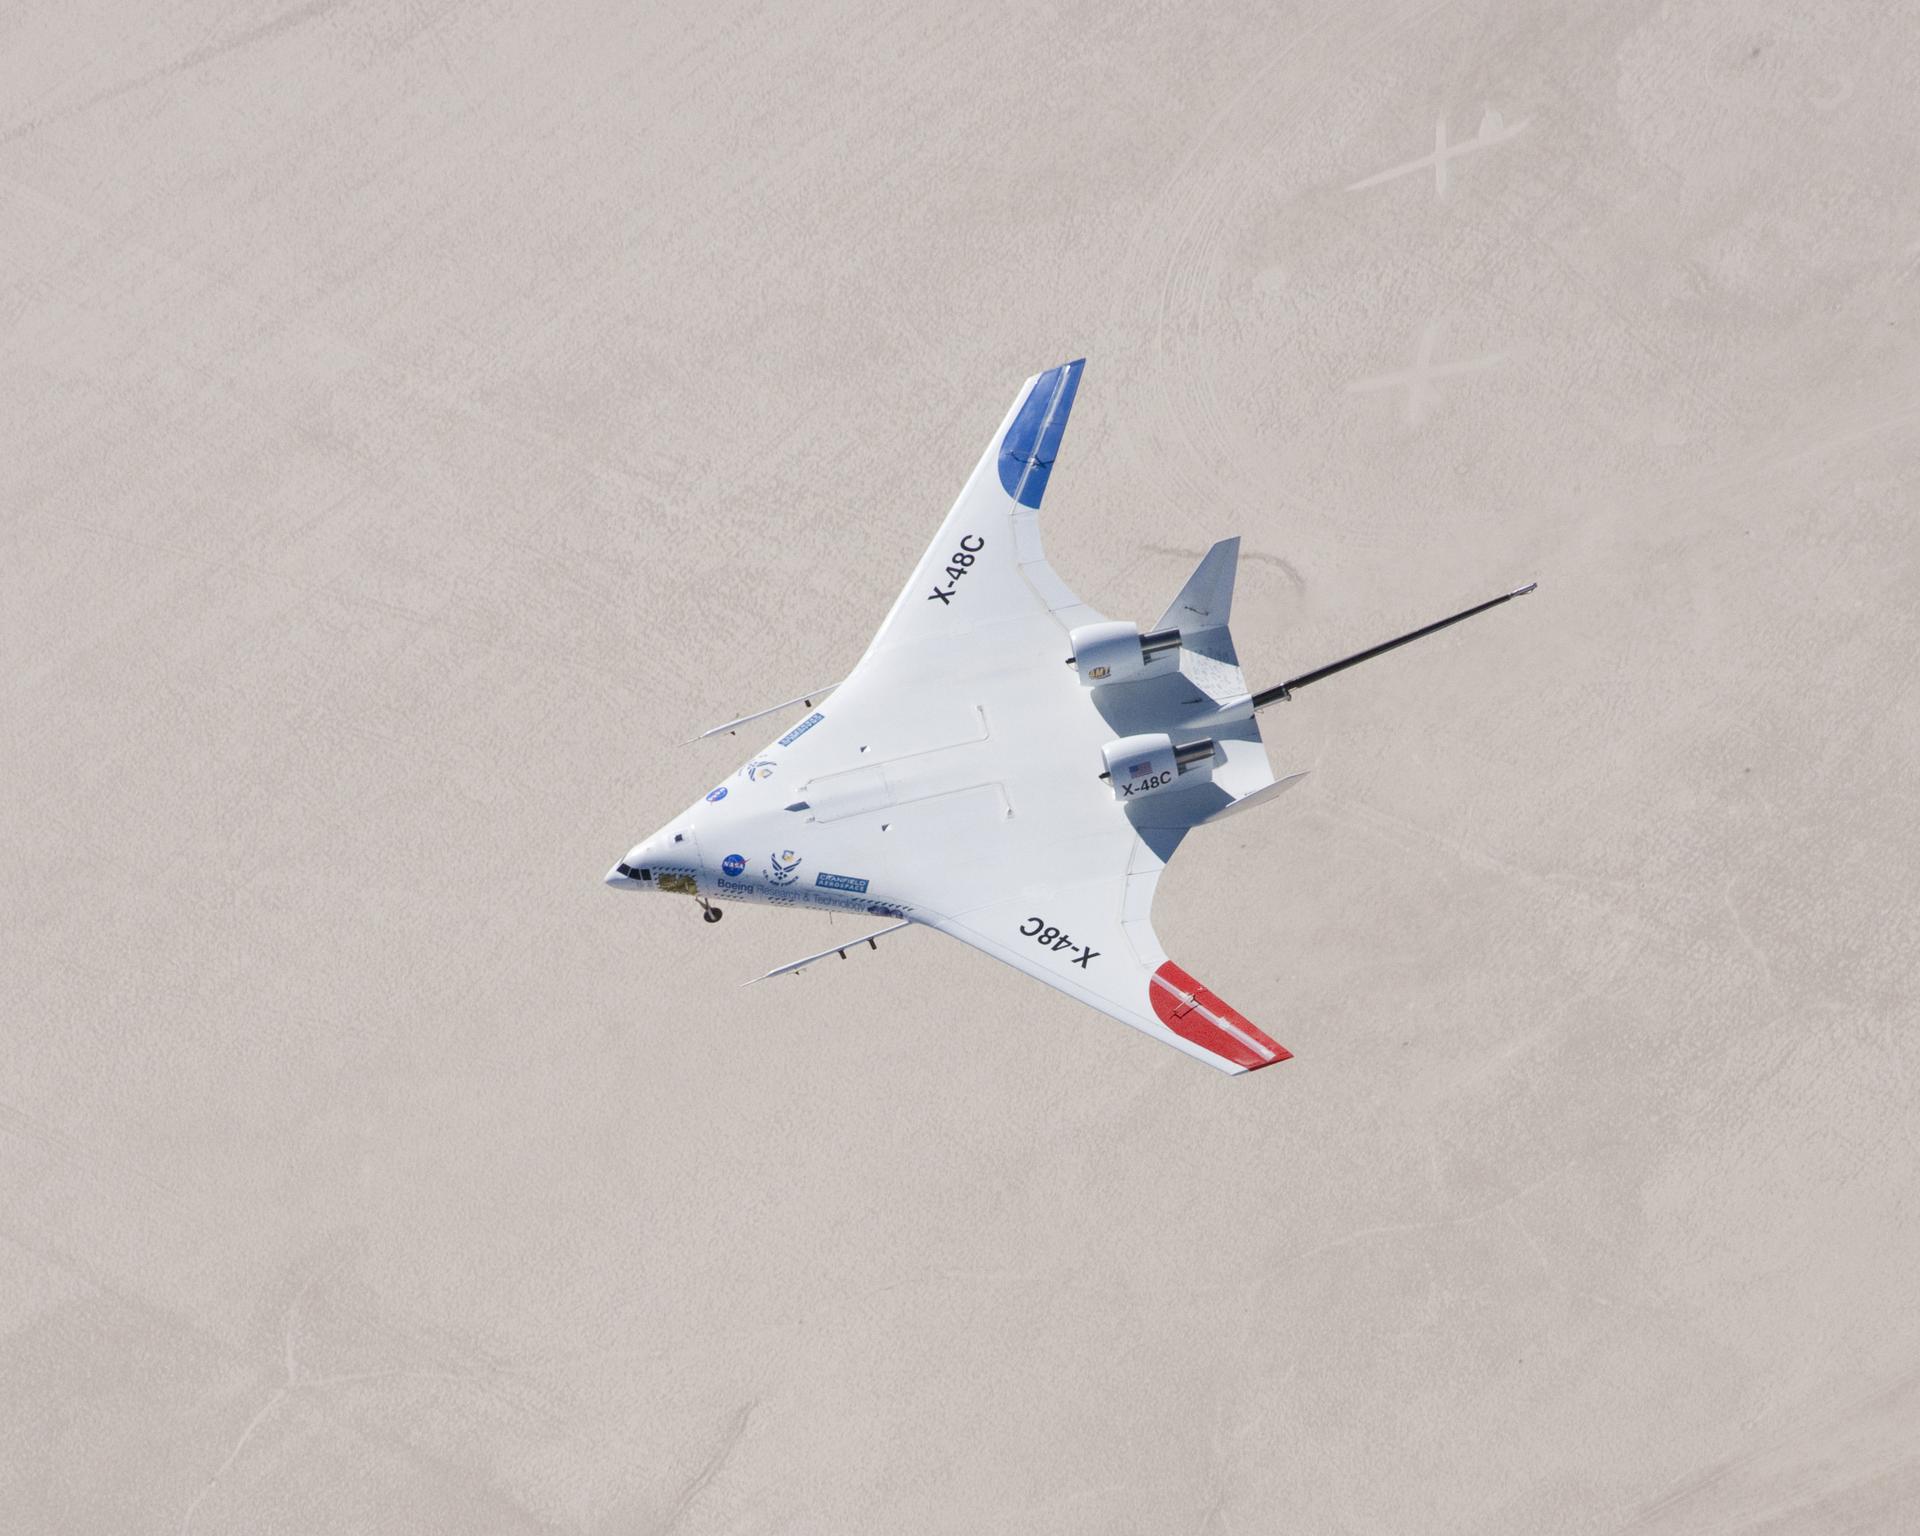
[
  {"x": 805, "y": 698},
  {"x": 837, "y": 949}
]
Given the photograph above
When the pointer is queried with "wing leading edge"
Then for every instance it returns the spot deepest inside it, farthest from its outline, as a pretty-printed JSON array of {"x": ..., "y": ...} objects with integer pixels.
[{"x": 986, "y": 565}]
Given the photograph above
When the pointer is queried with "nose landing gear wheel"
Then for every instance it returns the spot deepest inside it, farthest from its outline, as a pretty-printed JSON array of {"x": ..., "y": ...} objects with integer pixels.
[{"x": 709, "y": 913}]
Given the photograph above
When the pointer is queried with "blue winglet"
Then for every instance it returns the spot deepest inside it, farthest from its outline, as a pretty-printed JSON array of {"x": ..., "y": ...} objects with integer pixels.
[{"x": 1026, "y": 452}]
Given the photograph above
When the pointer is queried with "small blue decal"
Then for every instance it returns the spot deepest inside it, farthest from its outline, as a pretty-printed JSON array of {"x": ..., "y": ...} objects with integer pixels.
[
  {"x": 760, "y": 768},
  {"x": 719, "y": 794},
  {"x": 781, "y": 867},
  {"x": 801, "y": 729},
  {"x": 732, "y": 864},
  {"x": 841, "y": 883}
]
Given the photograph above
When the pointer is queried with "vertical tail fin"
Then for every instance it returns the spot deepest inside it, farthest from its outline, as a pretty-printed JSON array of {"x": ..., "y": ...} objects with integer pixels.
[
  {"x": 1206, "y": 601},
  {"x": 1208, "y": 664}
]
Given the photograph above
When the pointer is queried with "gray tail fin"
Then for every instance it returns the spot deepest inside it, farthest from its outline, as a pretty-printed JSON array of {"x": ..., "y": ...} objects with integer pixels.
[{"x": 1206, "y": 601}]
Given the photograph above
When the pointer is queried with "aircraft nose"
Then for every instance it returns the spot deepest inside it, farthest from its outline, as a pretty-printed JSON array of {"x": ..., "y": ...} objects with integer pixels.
[{"x": 629, "y": 876}]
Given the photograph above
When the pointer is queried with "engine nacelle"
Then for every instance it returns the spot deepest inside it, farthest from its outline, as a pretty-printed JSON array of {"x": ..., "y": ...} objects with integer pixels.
[
  {"x": 1117, "y": 652},
  {"x": 1145, "y": 765}
]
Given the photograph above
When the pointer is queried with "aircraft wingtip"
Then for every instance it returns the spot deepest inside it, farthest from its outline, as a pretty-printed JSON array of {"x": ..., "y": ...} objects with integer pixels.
[{"x": 1203, "y": 1018}]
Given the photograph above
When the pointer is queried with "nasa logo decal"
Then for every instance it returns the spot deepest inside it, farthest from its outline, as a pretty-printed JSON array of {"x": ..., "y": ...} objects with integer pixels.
[
  {"x": 757, "y": 770},
  {"x": 781, "y": 867},
  {"x": 718, "y": 794},
  {"x": 732, "y": 864}
]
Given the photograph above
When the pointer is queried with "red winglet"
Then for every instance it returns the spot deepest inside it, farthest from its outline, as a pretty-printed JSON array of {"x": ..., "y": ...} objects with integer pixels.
[{"x": 1193, "y": 1013}]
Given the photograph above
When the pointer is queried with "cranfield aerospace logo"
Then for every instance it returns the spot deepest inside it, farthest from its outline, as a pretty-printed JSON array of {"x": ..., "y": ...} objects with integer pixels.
[
  {"x": 781, "y": 867},
  {"x": 732, "y": 864},
  {"x": 757, "y": 770},
  {"x": 718, "y": 794}
]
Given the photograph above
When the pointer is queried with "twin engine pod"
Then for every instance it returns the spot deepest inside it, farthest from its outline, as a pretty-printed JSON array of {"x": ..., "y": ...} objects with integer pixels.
[
  {"x": 1144, "y": 765},
  {"x": 1117, "y": 652}
]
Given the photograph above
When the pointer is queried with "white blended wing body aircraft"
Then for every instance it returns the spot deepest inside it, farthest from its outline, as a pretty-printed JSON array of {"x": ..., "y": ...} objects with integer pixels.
[{"x": 1005, "y": 765}]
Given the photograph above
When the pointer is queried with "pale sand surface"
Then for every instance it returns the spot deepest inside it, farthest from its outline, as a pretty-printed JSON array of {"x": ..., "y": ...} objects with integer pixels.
[{"x": 415, "y": 420}]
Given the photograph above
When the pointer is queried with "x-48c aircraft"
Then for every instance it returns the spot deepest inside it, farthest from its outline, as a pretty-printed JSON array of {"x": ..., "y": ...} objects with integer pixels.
[{"x": 964, "y": 778}]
